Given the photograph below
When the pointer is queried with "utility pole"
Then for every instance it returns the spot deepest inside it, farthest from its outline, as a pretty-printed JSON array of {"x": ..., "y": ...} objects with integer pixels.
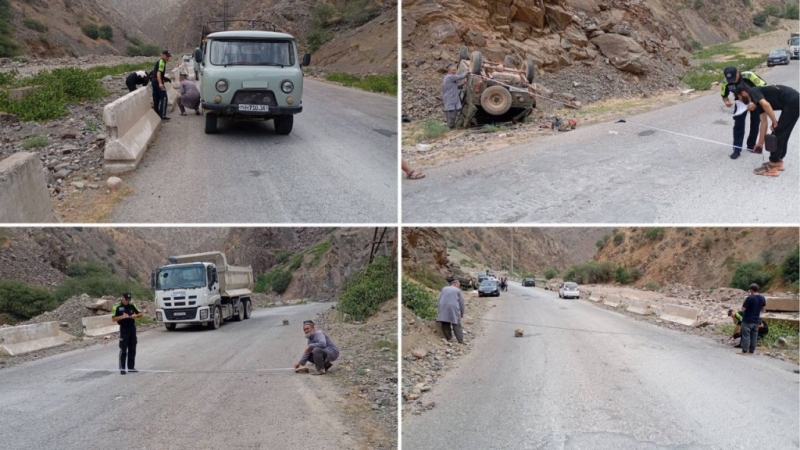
[
  {"x": 226, "y": 5},
  {"x": 512, "y": 251}
]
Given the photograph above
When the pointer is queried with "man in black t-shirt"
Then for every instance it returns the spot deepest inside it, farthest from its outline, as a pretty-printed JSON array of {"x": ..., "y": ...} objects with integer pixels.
[
  {"x": 124, "y": 313},
  {"x": 765, "y": 100},
  {"x": 751, "y": 314}
]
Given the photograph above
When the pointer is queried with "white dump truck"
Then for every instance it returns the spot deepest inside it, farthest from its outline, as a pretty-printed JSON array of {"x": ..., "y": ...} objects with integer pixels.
[{"x": 201, "y": 289}]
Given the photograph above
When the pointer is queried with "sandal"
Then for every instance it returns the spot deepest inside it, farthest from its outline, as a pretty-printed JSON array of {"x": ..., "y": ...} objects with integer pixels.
[
  {"x": 768, "y": 169},
  {"x": 414, "y": 175},
  {"x": 183, "y": 114}
]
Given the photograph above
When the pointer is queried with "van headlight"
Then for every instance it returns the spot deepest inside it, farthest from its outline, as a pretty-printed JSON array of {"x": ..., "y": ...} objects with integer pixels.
[
  {"x": 204, "y": 314},
  {"x": 159, "y": 317},
  {"x": 287, "y": 86},
  {"x": 222, "y": 85}
]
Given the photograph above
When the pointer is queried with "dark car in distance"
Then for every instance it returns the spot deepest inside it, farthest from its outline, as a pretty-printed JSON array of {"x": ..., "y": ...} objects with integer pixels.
[
  {"x": 778, "y": 57},
  {"x": 489, "y": 288},
  {"x": 529, "y": 282}
]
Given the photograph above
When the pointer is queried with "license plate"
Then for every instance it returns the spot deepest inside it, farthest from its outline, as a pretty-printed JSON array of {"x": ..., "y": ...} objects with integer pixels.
[
  {"x": 254, "y": 108},
  {"x": 513, "y": 89},
  {"x": 179, "y": 294},
  {"x": 180, "y": 313}
]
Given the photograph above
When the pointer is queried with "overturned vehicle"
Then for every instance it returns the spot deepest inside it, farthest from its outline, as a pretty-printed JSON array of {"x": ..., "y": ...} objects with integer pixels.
[{"x": 495, "y": 92}]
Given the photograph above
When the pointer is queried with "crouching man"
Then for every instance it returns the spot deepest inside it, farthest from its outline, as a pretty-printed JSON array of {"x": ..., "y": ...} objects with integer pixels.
[{"x": 321, "y": 351}]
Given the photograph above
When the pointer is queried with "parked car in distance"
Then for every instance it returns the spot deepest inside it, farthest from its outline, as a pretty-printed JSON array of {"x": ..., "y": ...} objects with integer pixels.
[
  {"x": 569, "y": 290},
  {"x": 778, "y": 57},
  {"x": 482, "y": 278},
  {"x": 529, "y": 282},
  {"x": 489, "y": 288}
]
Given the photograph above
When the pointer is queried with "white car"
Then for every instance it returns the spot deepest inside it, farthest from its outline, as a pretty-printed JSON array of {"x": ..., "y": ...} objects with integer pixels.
[
  {"x": 569, "y": 290},
  {"x": 187, "y": 58}
]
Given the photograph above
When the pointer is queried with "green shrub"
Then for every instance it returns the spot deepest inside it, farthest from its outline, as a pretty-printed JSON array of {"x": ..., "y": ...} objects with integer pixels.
[
  {"x": 760, "y": 19},
  {"x": 386, "y": 84},
  {"x": 322, "y": 14},
  {"x": 36, "y": 142},
  {"x": 316, "y": 38},
  {"x": 427, "y": 277},
  {"x": 433, "y": 129},
  {"x": 779, "y": 329},
  {"x": 7, "y": 45},
  {"x": 281, "y": 281},
  {"x": 477, "y": 246},
  {"x": 283, "y": 256},
  {"x": 91, "y": 30},
  {"x": 34, "y": 25},
  {"x": 100, "y": 285},
  {"x": 654, "y": 234},
  {"x": 590, "y": 272},
  {"x": 790, "y": 269},
  {"x": 599, "y": 244},
  {"x": 364, "y": 293},
  {"x": 143, "y": 50},
  {"x": 358, "y": 12},
  {"x": 22, "y": 301},
  {"x": 748, "y": 272},
  {"x": 550, "y": 273},
  {"x": 296, "y": 262},
  {"x": 635, "y": 273},
  {"x": 619, "y": 238},
  {"x": 697, "y": 4},
  {"x": 419, "y": 300},
  {"x": 276, "y": 280},
  {"x": 621, "y": 275},
  {"x": 653, "y": 286},
  {"x": 106, "y": 32},
  {"x": 319, "y": 251},
  {"x": 134, "y": 40}
]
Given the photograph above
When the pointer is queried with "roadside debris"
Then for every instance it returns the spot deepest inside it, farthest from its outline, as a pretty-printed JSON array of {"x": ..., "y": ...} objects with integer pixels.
[{"x": 519, "y": 332}]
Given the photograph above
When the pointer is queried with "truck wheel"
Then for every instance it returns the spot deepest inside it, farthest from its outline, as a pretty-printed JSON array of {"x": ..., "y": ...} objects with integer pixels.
[
  {"x": 509, "y": 62},
  {"x": 529, "y": 69},
  {"x": 496, "y": 100},
  {"x": 463, "y": 53},
  {"x": 215, "y": 323},
  {"x": 211, "y": 123},
  {"x": 283, "y": 124},
  {"x": 170, "y": 326},
  {"x": 247, "y": 310},
  {"x": 476, "y": 63},
  {"x": 240, "y": 316}
]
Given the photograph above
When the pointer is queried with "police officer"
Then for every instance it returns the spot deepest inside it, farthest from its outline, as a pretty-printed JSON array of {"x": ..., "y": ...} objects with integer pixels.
[
  {"x": 136, "y": 79},
  {"x": 124, "y": 313},
  {"x": 159, "y": 76},
  {"x": 732, "y": 79}
]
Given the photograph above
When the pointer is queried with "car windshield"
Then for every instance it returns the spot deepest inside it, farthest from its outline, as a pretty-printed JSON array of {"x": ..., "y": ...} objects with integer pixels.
[
  {"x": 252, "y": 53},
  {"x": 796, "y": 41},
  {"x": 570, "y": 285},
  {"x": 528, "y": 279},
  {"x": 777, "y": 52},
  {"x": 181, "y": 277},
  {"x": 489, "y": 284}
]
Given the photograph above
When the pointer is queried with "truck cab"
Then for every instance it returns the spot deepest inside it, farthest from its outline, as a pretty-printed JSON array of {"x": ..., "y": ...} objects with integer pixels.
[
  {"x": 252, "y": 75},
  {"x": 201, "y": 289},
  {"x": 794, "y": 46}
]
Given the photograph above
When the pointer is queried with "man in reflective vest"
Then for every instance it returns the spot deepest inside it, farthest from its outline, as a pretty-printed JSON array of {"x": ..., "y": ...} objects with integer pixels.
[{"x": 750, "y": 79}]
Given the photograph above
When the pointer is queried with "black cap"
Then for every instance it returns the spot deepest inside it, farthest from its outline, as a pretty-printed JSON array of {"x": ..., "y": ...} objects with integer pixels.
[
  {"x": 126, "y": 295},
  {"x": 166, "y": 52},
  {"x": 754, "y": 287},
  {"x": 730, "y": 311},
  {"x": 730, "y": 74},
  {"x": 308, "y": 322}
]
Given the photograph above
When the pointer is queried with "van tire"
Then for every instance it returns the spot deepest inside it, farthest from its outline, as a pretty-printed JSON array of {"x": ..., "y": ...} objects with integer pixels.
[
  {"x": 283, "y": 124},
  {"x": 211, "y": 123},
  {"x": 170, "y": 326}
]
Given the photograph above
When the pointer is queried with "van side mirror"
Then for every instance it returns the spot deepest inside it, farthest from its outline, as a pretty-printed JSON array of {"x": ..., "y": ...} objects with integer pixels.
[
  {"x": 152, "y": 280},
  {"x": 306, "y": 60}
]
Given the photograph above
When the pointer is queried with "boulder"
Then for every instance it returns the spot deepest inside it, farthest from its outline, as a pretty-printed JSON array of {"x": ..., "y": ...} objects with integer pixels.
[
  {"x": 419, "y": 353},
  {"x": 529, "y": 13},
  {"x": 623, "y": 52},
  {"x": 557, "y": 17},
  {"x": 519, "y": 332},
  {"x": 575, "y": 36},
  {"x": 114, "y": 183}
]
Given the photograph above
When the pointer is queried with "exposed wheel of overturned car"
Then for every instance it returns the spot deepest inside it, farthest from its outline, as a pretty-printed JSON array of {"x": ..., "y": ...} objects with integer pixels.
[
  {"x": 496, "y": 100},
  {"x": 476, "y": 63},
  {"x": 529, "y": 70},
  {"x": 509, "y": 61},
  {"x": 463, "y": 53}
]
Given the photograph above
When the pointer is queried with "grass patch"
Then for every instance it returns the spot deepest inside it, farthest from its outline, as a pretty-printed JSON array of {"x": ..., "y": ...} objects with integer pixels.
[
  {"x": 714, "y": 50},
  {"x": 34, "y": 25},
  {"x": 276, "y": 280},
  {"x": 283, "y": 256},
  {"x": 385, "y": 344},
  {"x": 652, "y": 285},
  {"x": 385, "y": 84},
  {"x": 748, "y": 272},
  {"x": 319, "y": 251},
  {"x": 143, "y": 50},
  {"x": 467, "y": 263},
  {"x": 591, "y": 272},
  {"x": 702, "y": 76},
  {"x": 427, "y": 277},
  {"x": 364, "y": 293},
  {"x": 21, "y": 301},
  {"x": 654, "y": 234},
  {"x": 419, "y": 300},
  {"x": 144, "y": 320},
  {"x": 8, "y": 47},
  {"x": 777, "y": 330},
  {"x": 36, "y": 142},
  {"x": 296, "y": 262}
]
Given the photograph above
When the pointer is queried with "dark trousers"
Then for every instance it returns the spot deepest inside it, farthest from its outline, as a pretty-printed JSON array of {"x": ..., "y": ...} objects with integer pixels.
[
  {"x": 159, "y": 100},
  {"x": 448, "y": 334},
  {"x": 749, "y": 337},
  {"x": 127, "y": 349},
  {"x": 786, "y": 123},
  {"x": 319, "y": 358},
  {"x": 738, "y": 130},
  {"x": 451, "y": 117}
]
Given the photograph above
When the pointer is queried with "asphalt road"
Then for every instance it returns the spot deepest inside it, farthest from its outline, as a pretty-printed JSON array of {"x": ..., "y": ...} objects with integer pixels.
[
  {"x": 625, "y": 384},
  {"x": 639, "y": 175},
  {"x": 52, "y": 403},
  {"x": 339, "y": 165}
]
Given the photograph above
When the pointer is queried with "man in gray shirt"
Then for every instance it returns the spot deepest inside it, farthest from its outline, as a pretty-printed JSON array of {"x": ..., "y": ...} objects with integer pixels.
[
  {"x": 451, "y": 310},
  {"x": 320, "y": 350},
  {"x": 451, "y": 95}
]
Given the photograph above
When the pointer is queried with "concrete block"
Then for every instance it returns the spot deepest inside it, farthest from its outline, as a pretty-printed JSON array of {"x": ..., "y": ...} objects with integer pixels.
[
  {"x": 639, "y": 307},
  {"x": 787, "y": 319},
  {"x": 594, "y": 297},
  {"x": 783, "y": 304},
  {"x": 99, "y": 325},
  {"x": 683, "y": 315},
  {"x": 131, "y": 125},
  {"x": 24, "y": 197},
  {"x": 613, "y": 301},
  {"x": 30, "y": 338}
]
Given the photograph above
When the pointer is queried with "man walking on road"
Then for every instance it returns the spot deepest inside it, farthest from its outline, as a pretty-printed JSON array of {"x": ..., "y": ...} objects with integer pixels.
[
  {"x": 159, "y": 91},
  {"x": 451, "y": 311},
  {"x": 451, "y": 95},
  {"x": 321, "y": 351},
  {"x": 124, "y": 313},
  {"x": 732, "y": 79},
  {"x": 765, "y": 101},
  {"x": 751, "y": 314}
]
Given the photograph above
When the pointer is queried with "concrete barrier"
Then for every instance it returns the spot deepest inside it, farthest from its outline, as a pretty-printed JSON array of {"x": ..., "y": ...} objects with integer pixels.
[
  {"x": 683, "y": 315},
  {"x": 131, "y": 124},
  {"x": 783, "y": 304},
  {"x": 24, "y": 197},
  {"x": 612, "y": 301},
  {"x": 30, "y": 338},
  {"x": 639, "y": 307},
  {"x": 99, "y": 325},
  {"x": 595, "y": 298}
]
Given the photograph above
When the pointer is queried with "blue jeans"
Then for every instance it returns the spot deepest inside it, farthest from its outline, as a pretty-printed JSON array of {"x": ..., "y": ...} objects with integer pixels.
[
  {"x": 738, "y": 130},
  {"x": 749, "y": 337}
]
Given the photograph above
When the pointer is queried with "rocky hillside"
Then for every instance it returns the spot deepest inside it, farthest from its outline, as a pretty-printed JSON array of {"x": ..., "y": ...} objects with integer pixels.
[
  {"x": 699, "y": 257},
  {"x": 354, "y": 36},
  {"x": 54, "y": 28},
  {"x": 580, "y": 243},
  {"x": 584, "y": 49}
]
